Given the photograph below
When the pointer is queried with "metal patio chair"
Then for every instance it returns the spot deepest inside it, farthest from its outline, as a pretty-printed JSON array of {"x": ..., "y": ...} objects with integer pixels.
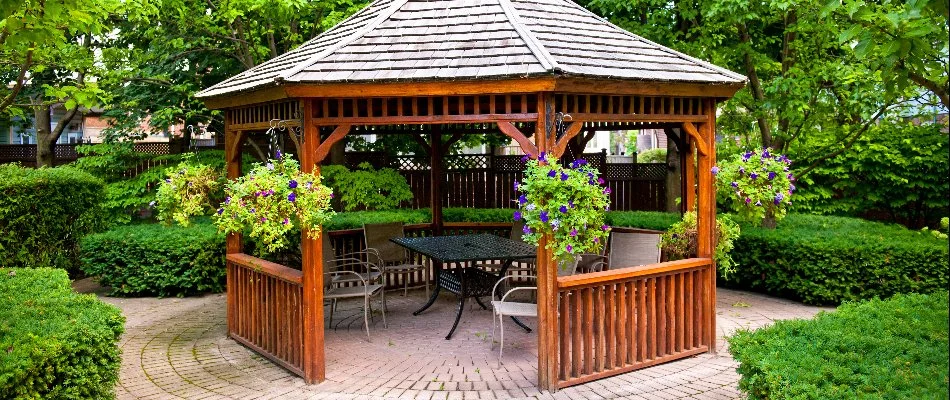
[
  {"x": 502, "y": 308},
  {"x": 395, "y": 259},
  {"x": 352, "y": 276},
  {"x": 629, "y": 249},
  {"x": 524, "y": 266}
]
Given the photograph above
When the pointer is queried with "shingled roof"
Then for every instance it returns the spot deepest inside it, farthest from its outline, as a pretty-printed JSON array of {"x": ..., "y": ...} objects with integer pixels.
[{"x": 466, "y": 40}]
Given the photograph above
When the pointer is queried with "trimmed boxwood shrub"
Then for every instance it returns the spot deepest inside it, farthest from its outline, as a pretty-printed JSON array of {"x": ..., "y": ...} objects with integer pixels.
[
  {"x": 880, "y": 349},
  {"x": 151, "y": 259},
  {"x": 43, "y": 214},
  {"x": 827, "y": 260},
  {"x": 56, "y": 344}
]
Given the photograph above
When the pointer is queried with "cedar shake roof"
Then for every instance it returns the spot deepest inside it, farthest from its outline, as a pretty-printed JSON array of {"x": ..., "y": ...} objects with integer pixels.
[{"x": 467, "y": 40}]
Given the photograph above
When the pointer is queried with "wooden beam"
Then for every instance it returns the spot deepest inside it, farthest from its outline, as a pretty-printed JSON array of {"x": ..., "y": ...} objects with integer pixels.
[
  {"x": 429, "y": 119},
  {"x": 645, "y": 88},
  {"x": 435, "y": 178},
  {"x": 548, "y": 355},
  {"x": 701, "y": 145},
  {"x": 511, "y": 131},
  {"x": 321, "y": 152},
  {"x": 638, "y": 117},
  {"x": 314, "y": 363},
  {"x": 402, "y": 89},
  {"x": 572, "y": 131},
  {"x": 706, "y": 219},
  {"x": 263, "y": 95}
]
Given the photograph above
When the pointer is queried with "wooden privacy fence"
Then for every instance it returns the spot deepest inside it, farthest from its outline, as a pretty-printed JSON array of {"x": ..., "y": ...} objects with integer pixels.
[
  {"x": 487, "y": 180},
  {"x": 620, "y": 320}
]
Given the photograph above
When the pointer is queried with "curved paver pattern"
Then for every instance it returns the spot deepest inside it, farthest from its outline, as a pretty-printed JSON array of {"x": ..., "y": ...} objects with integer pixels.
[{"x": 178, "y": 349}]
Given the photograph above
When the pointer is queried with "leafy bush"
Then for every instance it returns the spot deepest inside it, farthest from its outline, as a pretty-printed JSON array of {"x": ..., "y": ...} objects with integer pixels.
[
  {"x": 890, "y": 349},
  {"x": 895, "y": 172},
  {"x": 109, "y": 161},
  {"x": 827, "y": 260},
  {"x": 356, "y": 219},
  {"x": 652, "y": 156},
  {"x": 44, "y": 212},
  {"x": 151, "y": 259},
  {"x": 681, "y": 241},
  {"x": 366, "y": 188},
  {"x": 659, "y": 221},
  {"x": 188, "y": 191},
  {"x": 56, "y": 344}
]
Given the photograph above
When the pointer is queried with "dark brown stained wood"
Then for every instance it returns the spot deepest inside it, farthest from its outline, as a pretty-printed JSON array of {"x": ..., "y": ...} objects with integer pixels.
[
  {"x": 698, "y": 140},
  {"x": 435, "y": 182},
  {"x": 569, "y": 134},
  {"x": 511, "y": 131},
  {"x": 577, "y": 366}
]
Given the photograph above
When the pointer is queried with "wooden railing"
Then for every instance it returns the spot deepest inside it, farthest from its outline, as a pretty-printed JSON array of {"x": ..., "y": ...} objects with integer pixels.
[
  {"x": 265, "y": 309},
  {"x": 620, "y": 320}
]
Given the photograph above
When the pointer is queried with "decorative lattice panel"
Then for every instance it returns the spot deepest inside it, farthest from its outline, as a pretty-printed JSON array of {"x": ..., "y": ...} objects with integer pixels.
[{"x": 649, "y": 172}]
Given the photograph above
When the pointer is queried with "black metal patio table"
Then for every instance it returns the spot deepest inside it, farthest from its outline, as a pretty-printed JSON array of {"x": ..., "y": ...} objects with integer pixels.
[{"x": 466, "y": 282}]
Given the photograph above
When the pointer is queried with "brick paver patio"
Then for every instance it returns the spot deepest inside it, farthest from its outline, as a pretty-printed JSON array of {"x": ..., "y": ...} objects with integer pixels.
[{"x": 178, "y": 349}]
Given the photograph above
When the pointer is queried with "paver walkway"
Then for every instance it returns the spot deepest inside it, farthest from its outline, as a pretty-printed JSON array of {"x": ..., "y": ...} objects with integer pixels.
[{"x": 178, "y": 349}]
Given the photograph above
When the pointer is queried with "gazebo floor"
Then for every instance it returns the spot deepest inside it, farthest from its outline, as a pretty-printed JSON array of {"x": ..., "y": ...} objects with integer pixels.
[{"x": 178, "y": 348}]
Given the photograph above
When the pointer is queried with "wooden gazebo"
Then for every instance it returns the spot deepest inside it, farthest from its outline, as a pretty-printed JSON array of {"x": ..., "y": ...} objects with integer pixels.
[{"x": 507, "y": 66}]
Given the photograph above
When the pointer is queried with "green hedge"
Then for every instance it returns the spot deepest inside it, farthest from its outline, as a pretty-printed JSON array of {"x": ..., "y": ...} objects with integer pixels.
[
  {"x": 892, "y": 349},
  {"x": 44, "y": 212},
  {"x": 151, "y": 259},
  {"x": 827, "y": 260},
  {"x": 355, "y": 220},
  {"x": 56, "y": 344}
]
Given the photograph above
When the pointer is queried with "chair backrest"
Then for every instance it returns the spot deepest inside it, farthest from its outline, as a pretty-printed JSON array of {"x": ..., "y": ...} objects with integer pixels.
[
  {"x": 633, "y": 249},
  {"x": 328, "y": 259},
  {"x": 517, "y": 229},
  {"x": 377, "y": 237}
]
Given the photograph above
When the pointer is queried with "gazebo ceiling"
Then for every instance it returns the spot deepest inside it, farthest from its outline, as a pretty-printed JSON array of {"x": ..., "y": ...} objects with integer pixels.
[{"x": 393, "y": 41}]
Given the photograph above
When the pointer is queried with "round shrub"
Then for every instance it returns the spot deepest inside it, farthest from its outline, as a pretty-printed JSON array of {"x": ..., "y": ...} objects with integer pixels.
[
  {"x": 56, "y": 344},
  {"x": 151, "y": 259},
  {"x": 880, "y": 349},
  {"x": 43, "y": 214}
]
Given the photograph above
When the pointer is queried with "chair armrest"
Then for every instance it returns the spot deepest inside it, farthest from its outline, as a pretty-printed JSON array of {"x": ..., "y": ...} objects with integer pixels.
[
  {"x": 517, "y": 289},
  {"x": 502, "y": 279},
  {"x": 358, "y": 276}
]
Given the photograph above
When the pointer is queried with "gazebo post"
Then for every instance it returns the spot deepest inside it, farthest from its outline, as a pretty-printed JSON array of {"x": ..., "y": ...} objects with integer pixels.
[
  {"x": 706, "y": 215},
  {"x": 232, "y": 157},
  {"x": 546, "y": 266},
  {"x": 435, "y": 177},
  {"x": 314, "y": 365}
]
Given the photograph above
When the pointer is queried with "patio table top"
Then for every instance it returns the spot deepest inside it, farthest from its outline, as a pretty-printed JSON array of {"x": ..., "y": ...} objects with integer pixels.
[{"x": 480, "y": 247}]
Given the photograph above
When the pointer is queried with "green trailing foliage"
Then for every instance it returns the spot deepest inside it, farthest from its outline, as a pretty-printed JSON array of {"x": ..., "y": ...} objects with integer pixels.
[
  {"x": 152, "y": 259},
  {"x": 681, "y": 241},
  {"x": 56, "y": 344},
  {"x": 43, "y": 214},
  {"x": 366, "y": 188},
  {"x": 879, "y": 349},
  {"x": 187, "y": 192},
  {"x": 756, "y": 185},
  {"x": 828, "y": 260}
]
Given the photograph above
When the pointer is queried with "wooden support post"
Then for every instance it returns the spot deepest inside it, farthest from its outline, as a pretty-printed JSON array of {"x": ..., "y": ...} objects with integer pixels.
[
  {"x": 706, "y": 219},
  {"x": 689, "y": 176},
  {"x": 435, "y": 178},
  {"x": 314, "y": 364},
  {"x": 548, "y": 354},
  {"x": 232, "y": 158}
]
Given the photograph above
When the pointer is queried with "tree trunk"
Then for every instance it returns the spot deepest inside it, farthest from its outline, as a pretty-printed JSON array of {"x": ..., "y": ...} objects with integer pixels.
[
  {"x": 674, "y": 189},
  {"x": 769, "y": 221},
  {"x": 45, "y": 153},
  {"x": 338, "y": 153}
]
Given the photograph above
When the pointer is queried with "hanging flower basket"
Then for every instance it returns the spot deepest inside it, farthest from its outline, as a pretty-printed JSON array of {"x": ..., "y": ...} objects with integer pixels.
[
  {"x": 272, "y": 200},
  {"x": 570, "y": 204}
]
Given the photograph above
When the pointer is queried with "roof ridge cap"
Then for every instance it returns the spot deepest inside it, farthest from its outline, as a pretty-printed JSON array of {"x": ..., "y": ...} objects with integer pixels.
[
  {"x": 537, "y": 49},
  {"x": 383, "y": 15},
  {"x": 663, "y": 48}
]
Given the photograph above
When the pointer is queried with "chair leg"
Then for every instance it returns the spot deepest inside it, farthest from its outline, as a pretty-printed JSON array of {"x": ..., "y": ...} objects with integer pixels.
[
  {"x": 383, "y": 292},
  {"x": 494, "y": 323},
  {"x": 427, "y": 275},
  {"x": 405, "y": 284},
  {"x": 501, "y": 345},
  {"x": 332, "y": 307},
  {"x": 366, "y": 316}
]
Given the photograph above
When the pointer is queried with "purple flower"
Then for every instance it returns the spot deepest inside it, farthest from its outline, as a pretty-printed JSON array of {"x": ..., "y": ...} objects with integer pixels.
[
  {"x": 753, "y": 175},
  {"x": 517, "y": 216},
  {"x": 332, "y": 195},
  {"x": 252, "y": 211},
  {"x": 227, "y": 200},
  {"x": 220, "y": 211},
  {"x": 563, "y": 176},
  {"x": 573, "y": 232},
  {"x": 516, "y": 185},
  {"x": 747, "y": 156},
  {"x": 525, "y": 158},
  {"x": 278, "y": 156},
  {"x": 590, "y": 182},
  {"x": 600, "y": 181},
  {"x": 606, "y": 190},
  {"x": 286, "y": 221},
  {"x": 778, "y": 198},
  {"x": 734, "y": 184},
  {"x": 552, "y": 173},
  {"x": 270, "y": 166},
  {"x": 168, "y": 181},
  {"x": 522, "y": 199},
  {"x": 715, "y": 170},
  {"x": 263, "y": 219},
  {"x": 569, "y": 249},
  {"x": 541, "y": 157},
  {"x": 292, "y": 197},
  {"x": 563, "y": 209},
  {"x": 790, "y": 177},
  {"x": 741, "y": 171},
  {"x": 292, "y": 184},
  {"x": 309, "y": 185},
  {"x": 543, "y": 216},
  {"x": 151, "y": 203},
  {"x": 771, "y": 175},
  {"x": 596, "y": 240},
  {"x": 526, "y": 230},
  {"x": 570, "y": 203},
  {"x": 604, "y": 227},
  {"x": 765, "y": 153},
  {"x": 791, "y": 188},
  {"x": 748, "y": 200}
]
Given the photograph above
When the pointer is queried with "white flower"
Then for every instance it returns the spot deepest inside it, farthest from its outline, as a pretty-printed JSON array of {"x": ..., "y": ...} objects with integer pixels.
[
  {"x": 555, "y": 223},
  {"x": 530, "y": 207}
]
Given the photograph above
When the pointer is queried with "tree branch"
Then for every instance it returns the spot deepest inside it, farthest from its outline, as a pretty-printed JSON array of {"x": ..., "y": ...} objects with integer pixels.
[
  {"x": 932, "y": 86},
  {"x": 757, "y": 93},
  {"x": 20, "y": 81},
  {"x": 853, "y": 139}
]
